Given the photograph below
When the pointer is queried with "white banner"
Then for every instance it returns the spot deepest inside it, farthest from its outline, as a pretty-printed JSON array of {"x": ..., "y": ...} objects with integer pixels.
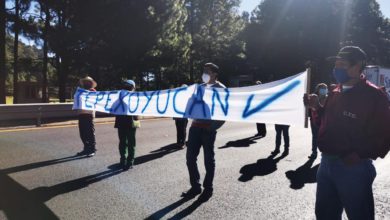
[{"x": 278, "y": 102}]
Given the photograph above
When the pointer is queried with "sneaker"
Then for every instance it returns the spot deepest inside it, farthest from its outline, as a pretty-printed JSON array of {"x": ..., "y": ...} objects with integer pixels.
[
  {"x": 91, "y": 154},
  {"x": 206, "y": 195},
  {"x": 191, "y": 193},
  {"x": 82, "y": 153}
]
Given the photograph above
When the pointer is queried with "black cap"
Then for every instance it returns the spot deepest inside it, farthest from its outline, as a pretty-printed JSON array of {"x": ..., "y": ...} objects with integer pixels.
[{"x": 351, "y": 54}]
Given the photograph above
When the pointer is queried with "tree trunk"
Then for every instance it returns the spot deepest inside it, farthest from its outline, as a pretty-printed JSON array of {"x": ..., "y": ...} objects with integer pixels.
[
  {"x": 16, "y": 45},
  {"x": 45, "y": 97},
  {"x": 3, "y": 74},
  {"x": 62, "y": 77}
]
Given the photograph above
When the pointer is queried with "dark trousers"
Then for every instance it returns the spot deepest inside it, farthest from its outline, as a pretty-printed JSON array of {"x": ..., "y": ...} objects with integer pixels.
[
  {"x": 197, "y": 138},
  {"x": 282, "y": 129},
  {"x": 87, "y": 132},
  {"x": 127, "y": 144},
  {"x": 314, "y": 131},
  {"x": 261, "y": 129},
  {"x": 341, "y": 186},
  {"x": 181, "y": 129}
]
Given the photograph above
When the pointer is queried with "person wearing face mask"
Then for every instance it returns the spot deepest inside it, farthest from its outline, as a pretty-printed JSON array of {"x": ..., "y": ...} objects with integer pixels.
[
  {"x": 202, "y": 133},
  {"x": 354, "y": 130},
  {"x": 86, "y": 122},
  {"x": 321, "y": 91},
  {"x": 127, "y": 126}
]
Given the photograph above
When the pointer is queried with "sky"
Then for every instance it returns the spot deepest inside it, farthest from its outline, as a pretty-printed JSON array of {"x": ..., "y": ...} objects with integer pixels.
[{"x": 249, "y": 5}]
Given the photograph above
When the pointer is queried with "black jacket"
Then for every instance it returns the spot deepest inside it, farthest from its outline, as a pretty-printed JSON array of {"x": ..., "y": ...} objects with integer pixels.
[{"x": 124, "y": 121}]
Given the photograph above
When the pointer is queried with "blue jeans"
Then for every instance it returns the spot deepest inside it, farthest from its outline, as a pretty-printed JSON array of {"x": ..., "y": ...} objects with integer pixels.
[
  {"x": 345, "y": 186},
  {"x": 197, "y": 138}
]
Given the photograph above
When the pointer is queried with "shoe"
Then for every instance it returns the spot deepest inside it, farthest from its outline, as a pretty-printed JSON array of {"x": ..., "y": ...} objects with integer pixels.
[
  {"x": 285, "y": 152},
  {"x": 206, "y": 195},
  {"x": 127, "y": 167},
  {"x": 191, "y": 193},
  {"x": 82, "y": 153},
  {"x": 275, "y": 152},
  {"x": 91, "y": 153}
]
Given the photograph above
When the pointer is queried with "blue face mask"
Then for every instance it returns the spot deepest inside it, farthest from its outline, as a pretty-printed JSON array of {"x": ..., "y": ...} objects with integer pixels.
[
  {"x": 323, "y": 92},
  {"x": 341, "y": 75}
]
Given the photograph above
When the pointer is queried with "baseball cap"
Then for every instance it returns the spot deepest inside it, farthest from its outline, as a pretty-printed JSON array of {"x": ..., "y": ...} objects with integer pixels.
[{"x": 351, "y": 54}]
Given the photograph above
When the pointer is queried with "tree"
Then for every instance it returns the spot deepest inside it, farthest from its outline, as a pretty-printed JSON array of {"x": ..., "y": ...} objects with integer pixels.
[
  {"x": 3, "y": 73},
  {"x": 215, "y": 26},
  {"x": 282, "y": 37},
  {"x": 21, "y": 7}
]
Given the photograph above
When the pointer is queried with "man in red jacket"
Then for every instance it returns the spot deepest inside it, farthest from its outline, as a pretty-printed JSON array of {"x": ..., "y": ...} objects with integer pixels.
[{"x": 354, "y": 129}]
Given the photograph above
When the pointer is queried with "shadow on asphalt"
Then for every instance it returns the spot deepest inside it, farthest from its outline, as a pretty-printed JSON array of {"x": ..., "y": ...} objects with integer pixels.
[
  {"x": 304, "y": 174},
  {"x": 182, "y": 214},
  {"x": 245, "y": 142},
  {"x": 262, "y": 167},
  {"x": 40, "y": 164},
  {"x": 171, "y": 148},
  {"x": 18, "y": 202}
]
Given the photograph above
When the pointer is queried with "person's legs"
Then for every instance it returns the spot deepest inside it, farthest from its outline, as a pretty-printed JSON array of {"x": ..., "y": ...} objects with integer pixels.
[
  {"x": 194, "y": 144},
  {"x": 178, "y": 131},
  {"x": 181, "y": 127},
  {"x": 278, "y": 139},
  {"x": 122, "y": 145},
  {"x": 208, "y": 140},
  {"x": 354, "y": 184},
  {"x": 82, "y": 131},
  {"x": 90, "y": 135},
  {"x": 314, "y": 132},
  {"x": 261, "y": 129},
  {"x": 131, "y": 146},
  {"x": 328, "y": 205},
  {"x": 286, "y": 138}
]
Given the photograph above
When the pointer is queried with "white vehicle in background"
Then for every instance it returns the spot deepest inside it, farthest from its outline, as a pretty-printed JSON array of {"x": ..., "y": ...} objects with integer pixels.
[{"x": 379, "y": 76}]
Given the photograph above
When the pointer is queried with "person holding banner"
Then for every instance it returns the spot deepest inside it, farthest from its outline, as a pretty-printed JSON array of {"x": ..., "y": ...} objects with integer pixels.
[
  {"x": 86, "y": 124},
  {"x": 321, "y": 91},
  {"x": 203, "y": 133},
  {"x": 127, "y": 126},
  {"x": 354, "y": 130}
]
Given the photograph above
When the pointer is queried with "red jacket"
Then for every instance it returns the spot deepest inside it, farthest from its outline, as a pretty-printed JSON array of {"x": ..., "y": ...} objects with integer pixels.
[{"x": 356, "y": 120}]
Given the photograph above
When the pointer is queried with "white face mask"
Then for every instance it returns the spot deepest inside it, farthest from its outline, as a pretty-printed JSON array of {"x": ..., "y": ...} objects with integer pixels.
[{"x": 205, "y": 77}]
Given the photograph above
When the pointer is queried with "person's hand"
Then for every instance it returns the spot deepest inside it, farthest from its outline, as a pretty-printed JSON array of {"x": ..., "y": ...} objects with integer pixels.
[
  {"x": 311, "y": 101},
  {"x": 351, "y": 159}
]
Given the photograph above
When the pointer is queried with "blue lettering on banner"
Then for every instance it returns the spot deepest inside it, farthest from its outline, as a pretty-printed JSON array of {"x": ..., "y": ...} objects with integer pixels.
[
  {"x": 199, "y": 100},
  {"x": 174, "y": 100},
  {"x": 148, "y": 98},
  {"x": 121, "y": 103},
  {"x": 86, "y": 100},
  {"x": 136, "y": 107},
  {"x": 99, "y": 97},
  {"x": 79, "y": 93},
  {"x": 166, "y": 105},
  {"x": 268, "y": 101},
  {"x": 216, "y": 95},
  {"x": 108, "y": 101}
]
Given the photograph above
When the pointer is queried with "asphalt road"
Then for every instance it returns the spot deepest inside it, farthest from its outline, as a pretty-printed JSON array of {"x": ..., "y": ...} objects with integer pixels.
[{"x": 41, "y": 179}]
